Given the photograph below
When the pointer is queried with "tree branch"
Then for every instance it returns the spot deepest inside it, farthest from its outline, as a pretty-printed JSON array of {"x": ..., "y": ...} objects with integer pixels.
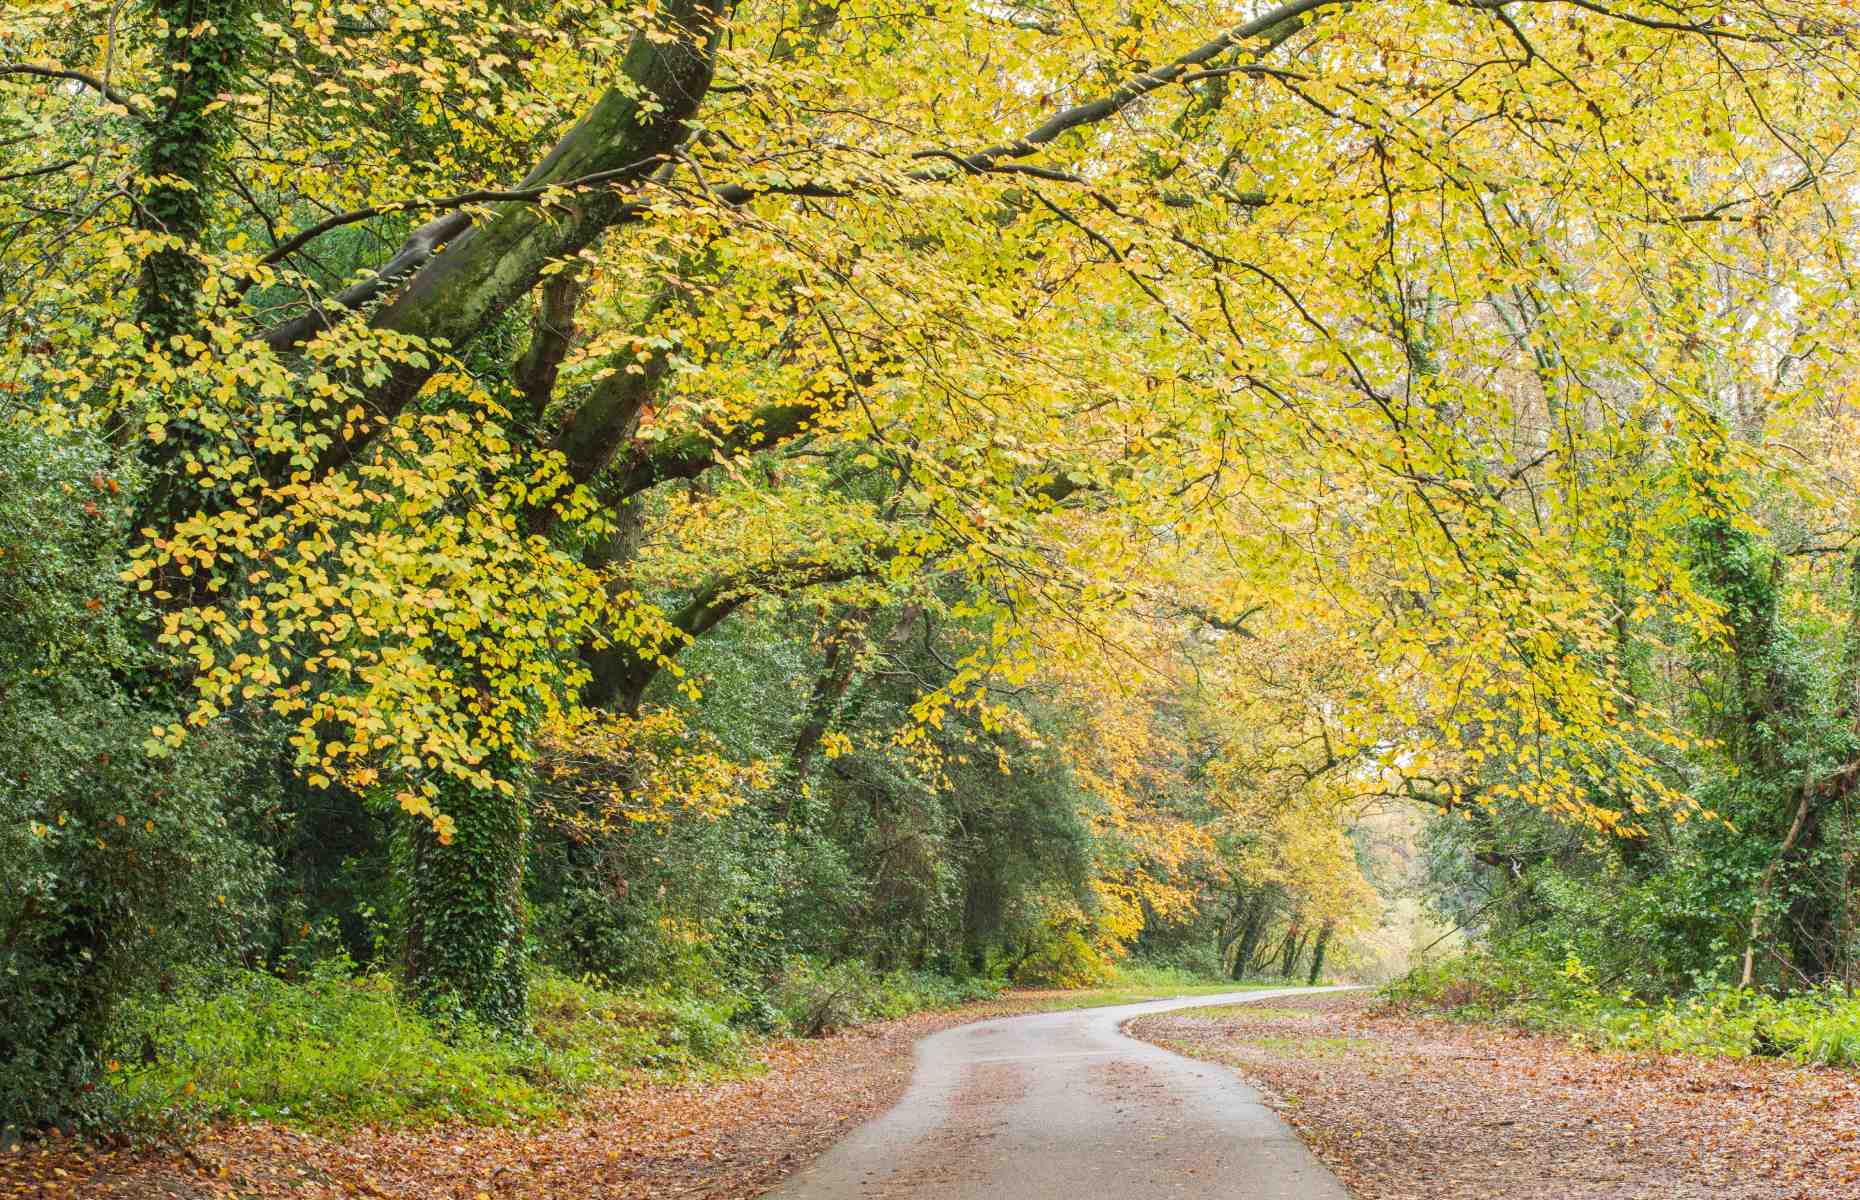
[
  {"x": 552, "y": 333},
  {"x": 90, "y": 81},
  {"x": 689, "y": 455},
  {"x": 621, "y": 673}
]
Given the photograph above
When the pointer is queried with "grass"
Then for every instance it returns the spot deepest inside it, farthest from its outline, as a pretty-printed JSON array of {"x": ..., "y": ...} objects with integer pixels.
[
  {"x": 338, "y": 1050},
  {"x": 1313, "y": 1047},
  {"x": 1819, "y": 1027},
  {"x": 1304, "y": 1047},
  {"x": 1248, "y": 1012},
  {"x": 1133, "y": 985}
]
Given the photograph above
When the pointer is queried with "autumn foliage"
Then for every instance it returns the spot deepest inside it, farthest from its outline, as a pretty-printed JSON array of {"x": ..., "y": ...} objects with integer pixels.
[{"x": 701, "y": 492}]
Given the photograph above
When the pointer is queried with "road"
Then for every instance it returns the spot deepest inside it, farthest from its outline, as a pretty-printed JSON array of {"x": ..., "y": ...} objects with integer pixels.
[{"x": 1063, "y": 1106}]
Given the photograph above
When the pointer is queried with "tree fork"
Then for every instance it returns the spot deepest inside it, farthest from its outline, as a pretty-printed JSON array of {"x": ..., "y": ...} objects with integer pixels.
[{"x": 629, "y": 133}]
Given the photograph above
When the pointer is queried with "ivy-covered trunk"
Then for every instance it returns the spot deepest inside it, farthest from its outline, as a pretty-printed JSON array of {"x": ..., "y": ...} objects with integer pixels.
[
  {"x": 1317, "y": 952},
  {"x": 203, "y": 50},
  {"x": 465, "y": 911},
  {"x": 1765, "y": 720}
]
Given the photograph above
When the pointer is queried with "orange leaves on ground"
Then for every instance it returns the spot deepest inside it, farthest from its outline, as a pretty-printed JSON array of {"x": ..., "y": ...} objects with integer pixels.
[
  {"x": 715, "y": 1141},
  {"x": 1421, "y": 1109}
]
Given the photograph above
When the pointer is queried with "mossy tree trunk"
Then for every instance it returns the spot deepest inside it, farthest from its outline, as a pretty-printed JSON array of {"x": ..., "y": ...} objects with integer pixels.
[
  {"x": 465, "y": 909},
  {"x": 1765, "y": 720},
  {"x": 1317, "y": 952}
]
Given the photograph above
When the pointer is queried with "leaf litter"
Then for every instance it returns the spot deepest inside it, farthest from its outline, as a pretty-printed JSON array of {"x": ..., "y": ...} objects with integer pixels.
[
  {"x": 715, "y": 1140},
  {"x": 1403, "y": 1107}
]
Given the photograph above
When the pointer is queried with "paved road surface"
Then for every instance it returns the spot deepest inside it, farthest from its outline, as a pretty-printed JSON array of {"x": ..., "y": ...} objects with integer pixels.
[{"x": 1062, "y": 1106}]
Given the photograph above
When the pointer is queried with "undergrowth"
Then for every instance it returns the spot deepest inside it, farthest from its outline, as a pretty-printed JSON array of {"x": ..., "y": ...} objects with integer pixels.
[
  {"x": 336, "y": 1048},
  {"x": 1820, "y": 1027},
  {"x": 810, "y": 998}
]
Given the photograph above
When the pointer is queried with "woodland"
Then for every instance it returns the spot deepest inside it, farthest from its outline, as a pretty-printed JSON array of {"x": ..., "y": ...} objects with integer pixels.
[{"x": 544, "y": 539}]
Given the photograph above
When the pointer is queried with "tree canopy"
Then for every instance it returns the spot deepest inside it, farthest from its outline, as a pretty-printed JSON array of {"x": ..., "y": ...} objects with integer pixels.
[{"x": 1217, "y": 419}]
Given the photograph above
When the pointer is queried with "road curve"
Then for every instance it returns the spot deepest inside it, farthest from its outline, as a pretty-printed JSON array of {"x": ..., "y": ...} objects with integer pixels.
[{"x": 1063, "y": 1106}]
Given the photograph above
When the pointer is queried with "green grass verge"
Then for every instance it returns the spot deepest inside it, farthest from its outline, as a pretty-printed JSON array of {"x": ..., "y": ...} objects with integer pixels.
[
  {"x": 1250, "y": 1012},
  {"x": 336, "y": 1050},
  {"x": 1820, "y": 1027},
  {"x": 1137, "y": 984}
]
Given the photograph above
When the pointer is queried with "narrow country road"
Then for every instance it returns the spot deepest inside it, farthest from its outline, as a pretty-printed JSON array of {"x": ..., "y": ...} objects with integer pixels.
[{"x": 1063, "y": 1106}]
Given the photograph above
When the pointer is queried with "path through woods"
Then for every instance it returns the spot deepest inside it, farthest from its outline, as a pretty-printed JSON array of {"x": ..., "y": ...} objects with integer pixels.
[{"x": 1064, "y": 1106}]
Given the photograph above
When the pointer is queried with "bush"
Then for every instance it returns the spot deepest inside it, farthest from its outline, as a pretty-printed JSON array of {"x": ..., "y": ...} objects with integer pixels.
[
  {"x": 1820, "y": 1027},
  {"x": 1194, "y": 962},
  {"x": 116, "y": 864},
  {"x": 1064, "y": 960},
  {"x": 1153, "y": 976},
  {"x": 811, "y": 998},
  {"x": 595, "y": 1032},
  {"x": 335, "y": 1049}
]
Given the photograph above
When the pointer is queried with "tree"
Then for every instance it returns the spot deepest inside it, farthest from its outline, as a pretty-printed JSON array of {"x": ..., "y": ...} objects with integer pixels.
[{"x": 1328, "y": 296}]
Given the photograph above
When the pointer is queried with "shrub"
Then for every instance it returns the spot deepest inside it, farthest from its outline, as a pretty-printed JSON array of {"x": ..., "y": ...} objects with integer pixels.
[
  {"x": 812, "y": 998},
  {"x": 1193, "y": 962},
  {"x": 1153, "y": 976},
  {"x": 595, "y": 1031},
  {"x": 336, "y": 1049},
  {"x": 1065, "y": 960},
  {"x": 116, "y": 865},
  {"x": 1820, "y": 1027}
]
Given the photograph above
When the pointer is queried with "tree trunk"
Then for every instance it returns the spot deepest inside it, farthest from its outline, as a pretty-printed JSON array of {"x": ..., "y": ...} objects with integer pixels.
[
  {"x": 1317, "y": 952},
  {"x": 836, "y": 675},
  {"x": 204, "y": 51},
  {"x": 1251, "y": 934},
  {"x": 1232, "y": 923},
  {"x": 465, "y": 920},
  {"x": 1291, "y": 949}
]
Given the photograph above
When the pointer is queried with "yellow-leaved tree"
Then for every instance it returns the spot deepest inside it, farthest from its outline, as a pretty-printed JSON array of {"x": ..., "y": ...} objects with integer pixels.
[{"x": 1366, "y": 315}]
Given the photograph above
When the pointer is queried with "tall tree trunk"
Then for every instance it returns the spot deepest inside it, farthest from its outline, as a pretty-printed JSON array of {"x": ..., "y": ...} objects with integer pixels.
[
  {"x": 1252, "y": 933},
  {"x": 465, "y": 919},
  {"x": 1290, "y": 949},
  {"x": 204, "y": 51},
  {"x": 1232, "y": 922},
  {"x": 1317, "y": 952}
]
